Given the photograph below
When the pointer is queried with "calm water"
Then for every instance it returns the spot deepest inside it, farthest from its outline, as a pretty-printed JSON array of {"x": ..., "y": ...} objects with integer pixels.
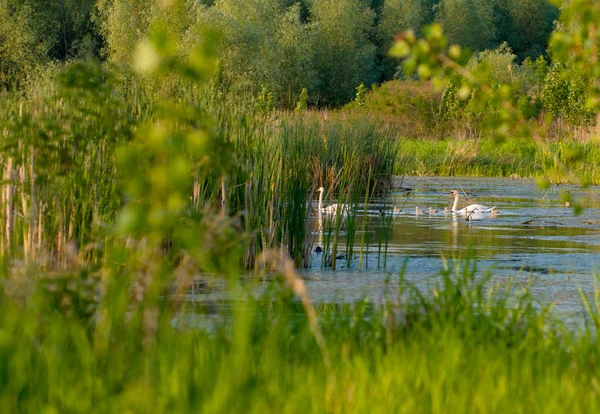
[{"x": 535, "y": 237}]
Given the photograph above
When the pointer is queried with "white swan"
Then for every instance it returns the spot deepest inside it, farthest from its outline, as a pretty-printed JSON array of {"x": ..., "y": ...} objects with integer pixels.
[
  {"x": 473, "y": 208},
  {"x": 332, "y": 209}
]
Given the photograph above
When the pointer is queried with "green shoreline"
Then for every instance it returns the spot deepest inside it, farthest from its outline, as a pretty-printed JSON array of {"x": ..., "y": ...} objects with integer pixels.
[{"x": 566, "y": 162}]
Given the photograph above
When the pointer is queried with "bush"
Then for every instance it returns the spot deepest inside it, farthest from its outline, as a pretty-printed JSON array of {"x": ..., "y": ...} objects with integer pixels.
[{"x": 410, "y": 107}]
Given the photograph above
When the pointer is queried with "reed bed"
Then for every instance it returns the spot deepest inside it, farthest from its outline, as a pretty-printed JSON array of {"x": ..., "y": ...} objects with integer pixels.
[{"x": 61, "y": 187}]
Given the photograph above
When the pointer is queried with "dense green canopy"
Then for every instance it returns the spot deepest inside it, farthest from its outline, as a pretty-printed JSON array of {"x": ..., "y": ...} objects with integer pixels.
[{"x": 328, "y": 47}]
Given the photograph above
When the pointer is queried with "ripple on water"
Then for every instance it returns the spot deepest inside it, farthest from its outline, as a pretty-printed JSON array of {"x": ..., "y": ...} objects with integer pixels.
[{"x": 533, "y": 236}]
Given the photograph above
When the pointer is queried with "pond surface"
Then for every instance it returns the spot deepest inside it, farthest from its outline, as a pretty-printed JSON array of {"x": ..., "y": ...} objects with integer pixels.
[{"x": 534, "y": 238}]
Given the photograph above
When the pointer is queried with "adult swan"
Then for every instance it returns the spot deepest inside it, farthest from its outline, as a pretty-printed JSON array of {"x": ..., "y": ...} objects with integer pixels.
[
  {"x": 331, "y": 209},
  {"x": 473, "y": 208}
]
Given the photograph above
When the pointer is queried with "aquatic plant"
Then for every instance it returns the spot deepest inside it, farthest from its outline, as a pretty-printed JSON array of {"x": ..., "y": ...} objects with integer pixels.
[
  {"x": 469, "y": 342},
  {"x": 189, "y": 192}
]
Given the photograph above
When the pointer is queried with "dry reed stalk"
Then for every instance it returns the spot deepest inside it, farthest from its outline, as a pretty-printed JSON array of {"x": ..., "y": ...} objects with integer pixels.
[
  {"x": 32, "y": 206},
  {"x": 8, "y": 201},
  {"x": 2, "y": 218},
  {"x": 59, "y": 234},
  {"x": 40, "y": 229},
  {"x": 224, "y": 196},
  {"x": 285, "y": 266},
  {"x": 196, "y": 193},
  {"x": 277, "y": 259},
  {"x": 25, "y": 208}
]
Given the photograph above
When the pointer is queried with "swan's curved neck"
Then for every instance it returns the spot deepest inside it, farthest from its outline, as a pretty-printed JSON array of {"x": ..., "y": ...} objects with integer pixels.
[
  {"x": 455, "y": 205},
  {"x": 320, "y": 201}
]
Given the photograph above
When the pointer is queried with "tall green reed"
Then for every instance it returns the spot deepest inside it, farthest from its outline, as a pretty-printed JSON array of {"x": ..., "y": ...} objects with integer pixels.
[
  {"x": 62, "y": 181},
  {"x": 418, "y": 350},
  {"x": 57, "y": 153}
]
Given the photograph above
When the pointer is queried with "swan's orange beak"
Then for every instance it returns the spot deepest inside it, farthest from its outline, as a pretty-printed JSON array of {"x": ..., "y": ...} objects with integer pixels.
[{"x": 451, "y": 194}]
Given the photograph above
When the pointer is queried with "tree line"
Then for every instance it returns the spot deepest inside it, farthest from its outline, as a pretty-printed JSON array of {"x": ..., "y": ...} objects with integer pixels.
[{"x": 328, "y": 47}]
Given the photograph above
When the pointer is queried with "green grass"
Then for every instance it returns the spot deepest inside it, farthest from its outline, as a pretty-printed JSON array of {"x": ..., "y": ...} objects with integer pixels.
[
  {"x": 568, "y": 161},
  {"x": 467, "y": 157},
  {"x": 469, "y": 346}
]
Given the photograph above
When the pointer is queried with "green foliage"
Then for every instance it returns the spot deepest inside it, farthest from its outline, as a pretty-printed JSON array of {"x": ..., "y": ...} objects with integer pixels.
[
  {"x": 566, "y": 97},
  {"x": 528, "y": 26},
  {"x": 284, "y": 45},
  {"x": 469, "y": 23},
  {"x": 409, "y": 108},
  {"x": 264, "y": 104},
  {"x": 494, "y": 66},
  {"x": 560, "y": 162},
  {"x": 361, "y": 92},
  {"x": 463, "y": 106},
  {"x": 416, "y": 352},
  {"x": 203, "y": 182},
  {"x": 329, "y": 49},
  {"x": 572, "y": 81},
  {"x": 67, "y": 26},
  {"x": 279, "y": 168},
  {"x": 171, "y": 156},
  {"x": 397, "y": 16},
  {"x": 302, "y": 104},
  {"x": 35, "y": 32},
  {"x": 123, "y": 24},
  {"x": 293, "y": 65},
  {"x": 266, "y": 44},
  {"x": 62, "y": 142},
  {"x": 248, "y": 52},
  {"x": 270, "y": 44},
  {"x": 344, "y": 54},
  {"x": 22, "y": 50},
  {"x": 167, "y": 127},
  {"x": 575, "y": 45}
]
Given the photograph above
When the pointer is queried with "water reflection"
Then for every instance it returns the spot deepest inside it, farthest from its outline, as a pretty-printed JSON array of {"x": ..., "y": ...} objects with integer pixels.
[{"x": 533, "y": 236}]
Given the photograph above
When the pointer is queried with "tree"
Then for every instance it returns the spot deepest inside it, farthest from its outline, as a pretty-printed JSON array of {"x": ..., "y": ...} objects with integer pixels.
[
  {"x": 22, "y": 51},
  {"x": 249, "y": 43},
  {"x": 400, "y": 15},
  {"x": 466, "y": 110},
  {"x": 397, "y": 16},
  {"x": 67, "y": 25},
  {"x": 565, "y": 97},
  {"x": 125, "y": 23},
  {"x": 469, "y": 23},
  {"x": 344, "y": 55},
  {"x": 528, "y": 26},
  {"x": 266, "y": 44},
  {"x": 293, "y": 66},
  {"x": 34, "y": 32}
]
